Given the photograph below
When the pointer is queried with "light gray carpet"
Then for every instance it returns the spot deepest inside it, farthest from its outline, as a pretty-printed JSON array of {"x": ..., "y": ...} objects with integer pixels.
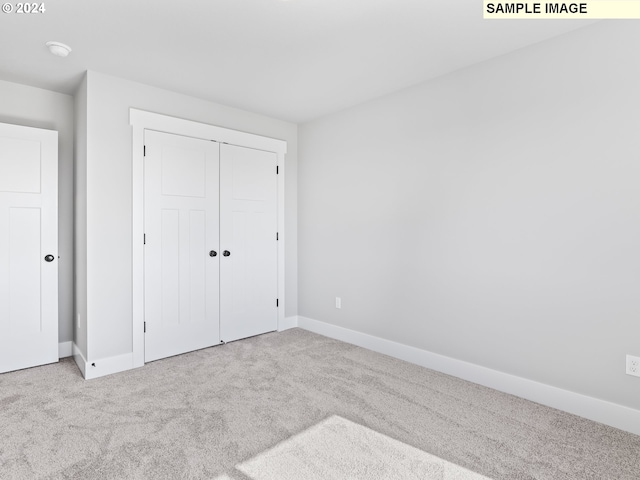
[{"x": 201, "y": 414}]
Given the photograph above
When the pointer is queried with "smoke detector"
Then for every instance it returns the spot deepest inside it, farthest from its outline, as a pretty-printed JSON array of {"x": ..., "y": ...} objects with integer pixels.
[{"x": 58, "y": 49}]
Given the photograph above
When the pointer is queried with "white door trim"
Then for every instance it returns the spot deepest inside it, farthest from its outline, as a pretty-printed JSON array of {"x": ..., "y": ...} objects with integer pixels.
[{"x": 140, "y": 121}]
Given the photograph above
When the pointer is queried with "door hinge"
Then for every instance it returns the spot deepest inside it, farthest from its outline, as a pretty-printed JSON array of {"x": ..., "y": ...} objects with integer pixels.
[
  {"x": 145, "y": 327},
  {"x": 277, "y": 237},
  {"x": 276, "y": 169},
  {"x": 276, "y": 302},
  {"x": 144, "y": 238},
  {"x": 144, "y": 150}
]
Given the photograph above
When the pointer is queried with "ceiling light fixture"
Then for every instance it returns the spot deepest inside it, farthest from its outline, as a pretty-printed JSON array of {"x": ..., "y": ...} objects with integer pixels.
[{"x": 59, "y": 49}]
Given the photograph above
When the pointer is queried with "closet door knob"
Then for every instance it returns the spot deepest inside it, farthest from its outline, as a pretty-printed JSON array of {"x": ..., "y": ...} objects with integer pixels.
[
  {"x": 213, "y": 253},
  {"x": 226, "y": 253},
  {"x": 49, "y": 258}
]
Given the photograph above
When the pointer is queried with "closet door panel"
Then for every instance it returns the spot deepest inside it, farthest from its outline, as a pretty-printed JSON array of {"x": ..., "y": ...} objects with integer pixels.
[
  {"x": 248, "y": 226},
  {"x": 181, "y": 229},
  {"x": 28, "y": 247}
]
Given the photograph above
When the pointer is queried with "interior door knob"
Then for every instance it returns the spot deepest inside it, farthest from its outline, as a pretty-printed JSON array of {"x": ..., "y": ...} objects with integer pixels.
[
  {"x": 213, "y": 253},
  {"x": 226, "y": 253},
  {"x": 49, "y": 258}
]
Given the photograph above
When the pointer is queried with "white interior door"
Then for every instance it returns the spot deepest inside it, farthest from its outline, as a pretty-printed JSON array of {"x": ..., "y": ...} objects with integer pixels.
[
  {"x": 181, "y": 261},
  {"x": 28, "y": 235},
  {"x": 248, "y": 227}
]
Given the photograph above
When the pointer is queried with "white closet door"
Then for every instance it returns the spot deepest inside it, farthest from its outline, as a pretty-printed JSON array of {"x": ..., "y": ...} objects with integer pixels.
[
  {"x": 28, "y": 247},
  {"x": 181, "y": 258},
  {"x": 248, "y": 226}
]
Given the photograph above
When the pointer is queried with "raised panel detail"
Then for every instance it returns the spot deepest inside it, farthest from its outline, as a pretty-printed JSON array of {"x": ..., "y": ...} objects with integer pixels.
[
  {"x": 24, "y": 270},
  {"x": 183, "y": 172},
  {"x": 19, "y": 165}
]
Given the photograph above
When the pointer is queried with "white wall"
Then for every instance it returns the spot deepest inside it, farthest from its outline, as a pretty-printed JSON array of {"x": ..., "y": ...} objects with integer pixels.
[
  {"x": 35, "y": 107},
  {"x": 109, "y": 192},
  {"x": 490, "y": 215},
  {"x": 80, "y": 226}
]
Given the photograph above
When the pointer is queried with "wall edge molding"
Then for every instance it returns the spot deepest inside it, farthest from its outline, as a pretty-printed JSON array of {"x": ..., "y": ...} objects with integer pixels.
[
  {"x": 602, "y": 411},
  {"x": 78, "y": 357}
]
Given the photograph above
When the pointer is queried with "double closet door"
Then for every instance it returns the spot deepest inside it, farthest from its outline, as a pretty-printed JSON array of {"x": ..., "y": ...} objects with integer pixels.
[{"x": 210, "y": 253}]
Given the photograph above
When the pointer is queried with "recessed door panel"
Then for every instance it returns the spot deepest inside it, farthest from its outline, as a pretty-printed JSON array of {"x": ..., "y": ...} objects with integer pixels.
[
  {"x": 197, "y": 266},
  {"x": 24, "y": 266},
  {"x": 28, "y": 235},
  {"x": 184, "y": 172},
  {"x": 170, "y": 266},
  {"x": 20, "y": 165}
]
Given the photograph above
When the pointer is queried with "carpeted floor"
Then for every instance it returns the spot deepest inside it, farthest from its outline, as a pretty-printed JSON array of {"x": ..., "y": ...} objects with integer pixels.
[
  {"x": 201, "y": 414},
  {"x": 336, "y": 449}
]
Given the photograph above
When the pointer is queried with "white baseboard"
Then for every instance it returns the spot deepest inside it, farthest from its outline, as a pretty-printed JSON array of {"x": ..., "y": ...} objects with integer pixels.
[
  {"x": 602, "y": 411},
  {"x": 65, "y": 349},
  {"x": 289, "y": 322},
  {"x": 105, "y": 366}
]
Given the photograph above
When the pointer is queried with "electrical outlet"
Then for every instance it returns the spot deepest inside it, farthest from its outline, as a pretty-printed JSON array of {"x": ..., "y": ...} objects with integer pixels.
[
  {"x": 338, "y": 302},
  {"x": 633, "y": 365}
]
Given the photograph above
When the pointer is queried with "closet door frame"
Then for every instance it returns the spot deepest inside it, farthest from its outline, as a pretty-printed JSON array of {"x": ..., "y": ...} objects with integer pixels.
[{"x": 140, "y": 121}]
